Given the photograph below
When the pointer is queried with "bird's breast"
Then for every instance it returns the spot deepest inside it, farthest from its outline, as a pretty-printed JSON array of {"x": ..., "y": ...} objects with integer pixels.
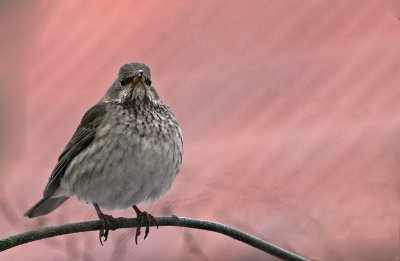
[{"x": 134, "y": 158}]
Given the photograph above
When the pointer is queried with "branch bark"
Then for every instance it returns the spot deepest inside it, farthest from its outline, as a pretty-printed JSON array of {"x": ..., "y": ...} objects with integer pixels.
[{"x": 52, "y": 231}]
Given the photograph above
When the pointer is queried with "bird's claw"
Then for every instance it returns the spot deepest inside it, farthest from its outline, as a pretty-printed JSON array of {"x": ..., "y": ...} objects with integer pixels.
[
  {"x": 109, "y": 222},
  {"x": 143, "y": 218}
]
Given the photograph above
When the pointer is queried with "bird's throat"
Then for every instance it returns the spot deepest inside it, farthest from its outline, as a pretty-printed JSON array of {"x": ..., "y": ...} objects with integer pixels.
[{"x": 139, "y": 92}]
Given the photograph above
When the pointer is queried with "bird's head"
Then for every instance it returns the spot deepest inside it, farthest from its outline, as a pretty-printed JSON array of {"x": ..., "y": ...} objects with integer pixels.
[{"x": 133, "y": 83}]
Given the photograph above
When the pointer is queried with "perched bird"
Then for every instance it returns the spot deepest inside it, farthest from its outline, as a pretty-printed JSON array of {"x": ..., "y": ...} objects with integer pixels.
[{"x": 126, "y": 150}]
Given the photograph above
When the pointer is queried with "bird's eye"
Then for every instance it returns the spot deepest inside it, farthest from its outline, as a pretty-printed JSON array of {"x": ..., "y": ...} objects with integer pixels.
[
  {"x": 125, "y": 81},
  {"x": 148, "y": 82}
]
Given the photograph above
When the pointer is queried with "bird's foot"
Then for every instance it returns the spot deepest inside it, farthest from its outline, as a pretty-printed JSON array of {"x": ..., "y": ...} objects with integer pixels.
[
  {"x": 109, "y": 222},
  {"x": 143, "y": 218}
]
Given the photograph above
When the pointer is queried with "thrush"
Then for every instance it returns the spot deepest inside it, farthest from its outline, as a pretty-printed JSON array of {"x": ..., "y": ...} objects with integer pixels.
[{"x": 126, "y": 150}]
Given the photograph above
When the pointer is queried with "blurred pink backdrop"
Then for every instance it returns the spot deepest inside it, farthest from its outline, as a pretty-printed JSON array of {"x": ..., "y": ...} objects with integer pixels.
[{"x": 290, "y": 112}]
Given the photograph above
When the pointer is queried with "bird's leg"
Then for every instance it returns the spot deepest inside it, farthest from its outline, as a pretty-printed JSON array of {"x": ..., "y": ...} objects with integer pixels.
[
  {"x": 108, "y": 223},
  {"x": 143, "y": 218}
]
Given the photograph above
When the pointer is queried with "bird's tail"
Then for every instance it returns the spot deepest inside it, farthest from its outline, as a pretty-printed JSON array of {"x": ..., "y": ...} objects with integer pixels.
[{"x": 45, "y": 206}]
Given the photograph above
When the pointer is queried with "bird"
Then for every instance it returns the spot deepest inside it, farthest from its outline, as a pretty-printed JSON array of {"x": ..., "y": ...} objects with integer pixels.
[{"x": 127, "y": 150}]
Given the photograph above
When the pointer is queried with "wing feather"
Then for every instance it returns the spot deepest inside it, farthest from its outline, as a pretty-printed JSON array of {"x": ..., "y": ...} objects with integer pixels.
[{"x": 82, "y": 138}]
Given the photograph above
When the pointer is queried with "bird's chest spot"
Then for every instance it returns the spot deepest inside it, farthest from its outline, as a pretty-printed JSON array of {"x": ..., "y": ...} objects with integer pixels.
[
  {"x": 144, "y": 122},
  {"x": 140, "y": 139}
]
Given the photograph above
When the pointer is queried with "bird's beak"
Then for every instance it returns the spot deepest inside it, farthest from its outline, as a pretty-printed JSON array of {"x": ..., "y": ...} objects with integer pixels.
[{"x": 139, "y": 77}]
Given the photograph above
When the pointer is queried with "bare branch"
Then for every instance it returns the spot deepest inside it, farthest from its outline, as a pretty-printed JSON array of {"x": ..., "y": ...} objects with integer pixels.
[{"x": 52, "y": 231}]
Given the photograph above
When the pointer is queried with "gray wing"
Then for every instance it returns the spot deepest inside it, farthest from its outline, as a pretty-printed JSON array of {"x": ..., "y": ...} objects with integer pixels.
[{"x": 83, "y": 136}]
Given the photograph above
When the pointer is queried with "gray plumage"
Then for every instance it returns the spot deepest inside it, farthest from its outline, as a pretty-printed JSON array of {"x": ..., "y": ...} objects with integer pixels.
[{"x": 126, "y": 150}]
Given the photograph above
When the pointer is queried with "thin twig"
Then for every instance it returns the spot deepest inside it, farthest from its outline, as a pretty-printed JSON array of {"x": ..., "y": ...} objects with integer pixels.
[{"x": 52, "y": 231}]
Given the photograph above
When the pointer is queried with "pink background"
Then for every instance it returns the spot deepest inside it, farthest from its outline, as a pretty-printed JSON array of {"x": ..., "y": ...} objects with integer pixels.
[{"x": 290, "y": 112}]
